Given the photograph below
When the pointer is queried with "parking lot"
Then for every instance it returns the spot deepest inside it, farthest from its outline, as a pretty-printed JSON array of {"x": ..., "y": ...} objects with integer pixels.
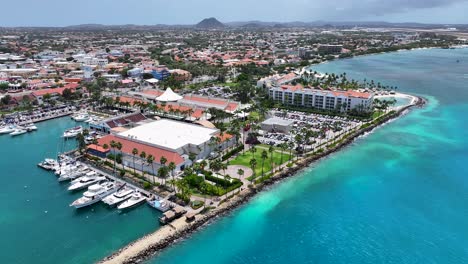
[{"x": 314, "y": 129}]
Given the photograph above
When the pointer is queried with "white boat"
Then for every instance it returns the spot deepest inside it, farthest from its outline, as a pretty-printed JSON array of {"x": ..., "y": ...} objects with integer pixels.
[
  {"x": 66, "y": 169},
  {"x": 134, "y": 200},
  {"x": 91, "y": 174},
  {"x": 18, "y": 131},
  {"x": 7, "y": 129},
  {"x": 48, "y": 164},
  {"x": 85, "y": 182},
  {"x": 30, "y": 127},
  {"x": 74, "y": 174},
  {"x": 73, "y": 132},
  {"x": 94, "y": 194},
  {"x": 81, "y": 117},
  {"x": 118, "y": 197}
]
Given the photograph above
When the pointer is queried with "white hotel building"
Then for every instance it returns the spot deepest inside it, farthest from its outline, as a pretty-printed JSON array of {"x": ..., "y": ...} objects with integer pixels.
[{"x": 297, "y": 95}]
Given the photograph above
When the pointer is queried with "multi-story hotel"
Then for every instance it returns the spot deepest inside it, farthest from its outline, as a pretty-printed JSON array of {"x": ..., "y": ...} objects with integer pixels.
[{"x": 321, "y": 99}]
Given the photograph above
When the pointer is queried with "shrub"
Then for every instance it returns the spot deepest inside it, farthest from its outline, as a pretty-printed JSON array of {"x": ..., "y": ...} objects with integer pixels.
[
  {"x": 232, "y": 152},
  {"x": 146, "y": 185}
]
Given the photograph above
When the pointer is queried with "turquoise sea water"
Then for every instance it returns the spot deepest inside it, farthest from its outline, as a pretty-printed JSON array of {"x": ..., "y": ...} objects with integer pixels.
[
  {"x": 398, "y": 195},
  {"x": 36, "y": 223}
]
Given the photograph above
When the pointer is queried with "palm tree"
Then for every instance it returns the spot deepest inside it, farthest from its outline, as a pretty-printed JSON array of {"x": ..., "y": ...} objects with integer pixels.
[
  {"x": 118, "y": 145},
  {"x": 253, "y": 149},
  {"x": 162, "y": 172},
  {"x": 283, "y": 147},
  {"x": 264, "y": 156},
  {"x": 291, "y": 146},
  {"x": 216, "y": 166},
  {"x": 113, "y": 144},
  {"x": 163, "y": 161},
  {"x": 143, "y": 158},
  {"x": 240, "y": 172},
  {"x": 134, "y": 153},
  {"x": 150, "y": 161},
  {"x": 271, "y": 149},
  {"x": 172, "y": 167},
  {"x": 253, "y": 165}
]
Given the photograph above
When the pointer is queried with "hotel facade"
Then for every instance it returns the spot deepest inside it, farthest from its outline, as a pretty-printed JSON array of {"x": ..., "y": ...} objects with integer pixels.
[{"x": 321, "y": 99}]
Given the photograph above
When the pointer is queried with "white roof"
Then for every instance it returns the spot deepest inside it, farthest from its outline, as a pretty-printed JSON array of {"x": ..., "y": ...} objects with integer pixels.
[
  {"x": 170, "y": 134},
  {"x": 152, "y": 80},
  {"x": 169, "y": 96}
]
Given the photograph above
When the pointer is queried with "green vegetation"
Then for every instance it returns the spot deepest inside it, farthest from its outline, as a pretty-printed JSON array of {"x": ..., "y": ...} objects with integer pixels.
[{"x": 246, "y": 158}]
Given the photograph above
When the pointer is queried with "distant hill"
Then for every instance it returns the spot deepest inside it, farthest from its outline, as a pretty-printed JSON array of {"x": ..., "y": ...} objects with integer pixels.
[{"x": 210, "y": 23}]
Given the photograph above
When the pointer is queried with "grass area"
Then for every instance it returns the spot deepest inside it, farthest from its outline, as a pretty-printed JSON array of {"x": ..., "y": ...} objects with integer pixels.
[
  {"x": 265, "y": 146},
  {"x": 244, "y": 160},
  {"x": 377, "y": 114}
]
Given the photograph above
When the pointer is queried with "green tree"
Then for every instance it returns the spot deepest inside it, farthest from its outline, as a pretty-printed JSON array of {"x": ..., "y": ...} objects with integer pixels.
[
  {"x": 143, "y": 159},
  {"x": 172, "y": 167},
  {"x": 134, "y": 153},
  {"x": 253, "y": 165},
  {"x": 150, "y": 161},
  {"x": 264, "y": 156}
]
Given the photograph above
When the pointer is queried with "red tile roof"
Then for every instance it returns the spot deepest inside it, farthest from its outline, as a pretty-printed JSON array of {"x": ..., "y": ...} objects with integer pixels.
[
  {"x": 204, "y": 100},
  {"x": 128, "y": 146},
  {"x": 126, "y": 99},
  {"x": 60, "y": 90}
]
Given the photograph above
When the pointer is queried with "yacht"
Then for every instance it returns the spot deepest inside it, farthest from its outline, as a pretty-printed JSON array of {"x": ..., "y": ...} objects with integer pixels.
[
  {"x": 118, "y": 197},
  {"x": 48, "y": 164},
  {"x": 73, "y": 132},
  {"x": 81, "y": 117},
  {"x": 76, "y": 174},
  {"x": 66, "y": 169},
  {"x": 7, "y": 129},
  {"x": 84, "y": 182},
  {"x": 18, "y": 131},
  {"x": 30, "y": 127},
  {"x": 135, "y": 199},
  {"x": 94, "y": 194}
]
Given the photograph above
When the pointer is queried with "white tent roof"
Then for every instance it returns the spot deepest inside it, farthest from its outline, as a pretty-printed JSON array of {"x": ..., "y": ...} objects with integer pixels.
[
  {"x": 169, "y": 96},
  {"x": 152, "y": 80}
]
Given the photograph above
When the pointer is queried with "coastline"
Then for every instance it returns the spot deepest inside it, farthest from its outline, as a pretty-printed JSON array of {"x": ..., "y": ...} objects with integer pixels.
[
  {"x": 383, "y": 52},
  {"x": 146, "y": 247}
]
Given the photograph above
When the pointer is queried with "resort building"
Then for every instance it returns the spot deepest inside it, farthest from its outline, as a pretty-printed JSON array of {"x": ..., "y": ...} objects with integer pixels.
[{"x": 297, "y": 95}]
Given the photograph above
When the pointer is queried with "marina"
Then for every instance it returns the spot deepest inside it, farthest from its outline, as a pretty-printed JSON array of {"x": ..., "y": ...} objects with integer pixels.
[{"x": 101, "y": 185}]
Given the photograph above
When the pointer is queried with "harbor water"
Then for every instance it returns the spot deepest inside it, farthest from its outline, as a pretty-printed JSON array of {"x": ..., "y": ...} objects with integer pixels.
[
  {"x": 36, "y": 223},
  {"x": 398, "y": 195}
]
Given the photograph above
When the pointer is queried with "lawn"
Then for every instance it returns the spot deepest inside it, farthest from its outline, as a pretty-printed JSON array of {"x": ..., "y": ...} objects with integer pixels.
[{"x": 244, "y": 159}]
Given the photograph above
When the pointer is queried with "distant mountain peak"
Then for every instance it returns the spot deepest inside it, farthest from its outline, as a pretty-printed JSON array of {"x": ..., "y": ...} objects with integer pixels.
[{"x": 210, "y": 23}]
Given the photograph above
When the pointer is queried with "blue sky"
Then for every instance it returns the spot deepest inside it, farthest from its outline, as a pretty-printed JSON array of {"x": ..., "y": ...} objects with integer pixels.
[{"x": 149, "y": 12}]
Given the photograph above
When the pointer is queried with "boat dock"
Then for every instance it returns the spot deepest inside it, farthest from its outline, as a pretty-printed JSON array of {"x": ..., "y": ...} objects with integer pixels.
[
  {"x": 120, "y": 180},
  {"x": 45, "y": 118}
]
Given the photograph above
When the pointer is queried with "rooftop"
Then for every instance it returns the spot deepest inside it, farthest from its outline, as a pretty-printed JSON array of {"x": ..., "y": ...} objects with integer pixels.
[{"x": 170, "y": 134}]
